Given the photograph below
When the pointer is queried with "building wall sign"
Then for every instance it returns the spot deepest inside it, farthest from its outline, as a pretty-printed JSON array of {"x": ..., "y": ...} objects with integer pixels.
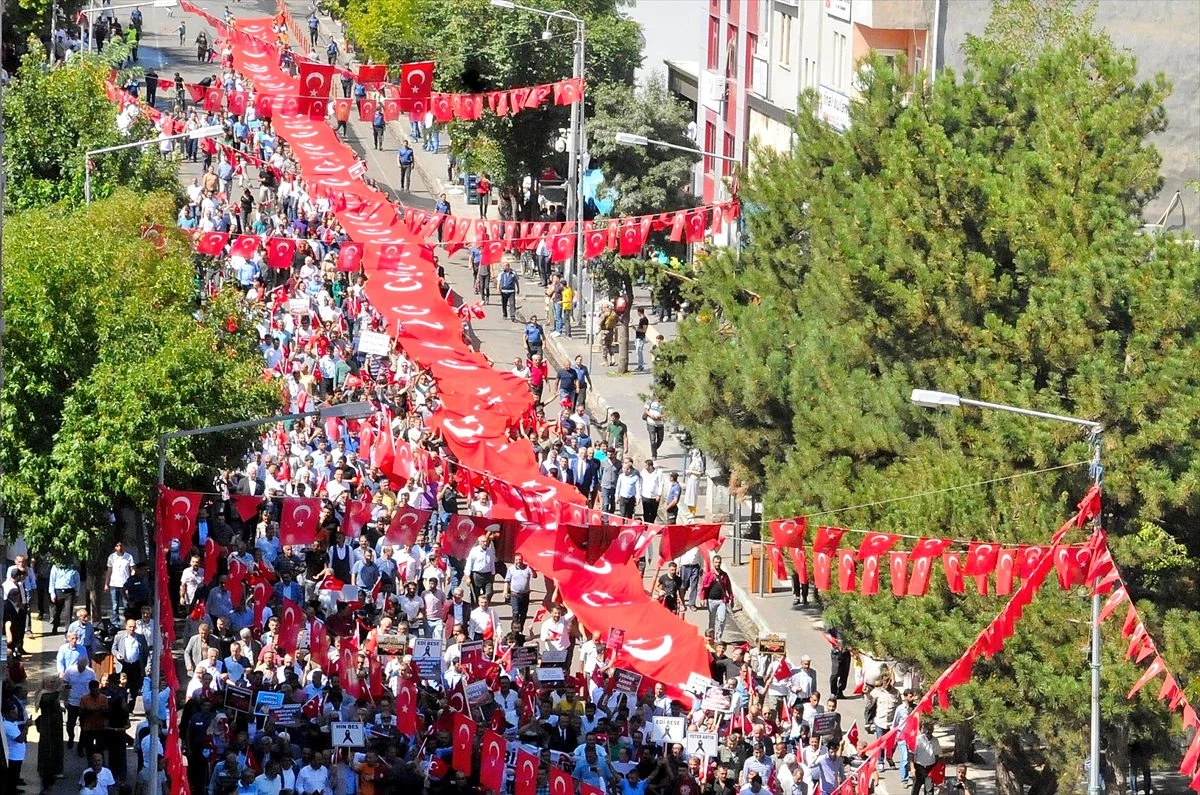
[
  {"x": 838, "y": 9},
  {"x": 834, "y": 109}
]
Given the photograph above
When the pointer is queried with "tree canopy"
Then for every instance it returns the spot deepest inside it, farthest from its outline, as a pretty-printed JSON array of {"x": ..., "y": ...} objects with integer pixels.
[
  {"x": 478, "y": 48},
  {"x": 976, "y": 234},
  {"x": 53, "y": 117},
  {"x": 105, "y": 350}
]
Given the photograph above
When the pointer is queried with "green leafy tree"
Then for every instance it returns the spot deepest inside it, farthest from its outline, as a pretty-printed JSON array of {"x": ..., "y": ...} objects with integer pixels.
[
  {"x": 978, "y": 236},
  {"x": 52, "y": 117},
  {"x": 478, "y": 48},
  {"x": 105, "y": 350},
  {"x": 642, "y": 181}
]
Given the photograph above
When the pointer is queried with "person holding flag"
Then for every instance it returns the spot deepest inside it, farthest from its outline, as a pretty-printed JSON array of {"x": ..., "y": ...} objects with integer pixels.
[{"x": 483, "y": 621}]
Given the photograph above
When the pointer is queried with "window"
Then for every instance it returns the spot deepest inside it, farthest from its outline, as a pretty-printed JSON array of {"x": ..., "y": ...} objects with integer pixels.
[
  {"x": 785, "y": 40},
  {"x": 728, "y": 170},
  {"x": 837, "y": 63},
  {"x": 710, "y": 144},
  {"x": 714, "y": 42},
  {"x": 731, "y": 52}
]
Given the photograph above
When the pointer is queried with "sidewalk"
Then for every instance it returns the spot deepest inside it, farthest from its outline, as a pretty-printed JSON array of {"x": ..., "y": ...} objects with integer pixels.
[{"x": 40, "y": 668}]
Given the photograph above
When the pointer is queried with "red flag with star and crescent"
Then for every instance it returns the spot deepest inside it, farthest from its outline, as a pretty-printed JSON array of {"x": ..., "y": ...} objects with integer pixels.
[
  {"x": 280, "y": 252},
  {"x": 464, "y": 741},
  {"x": 315, "y": 79},
  {"x": 298, "y": 521},
  {"x": 177, "y": 512},
  {"x": 492, "y": 753}
]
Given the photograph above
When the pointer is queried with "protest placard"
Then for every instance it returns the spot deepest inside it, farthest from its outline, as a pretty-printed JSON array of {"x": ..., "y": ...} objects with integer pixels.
[
  {"x": 238, "y": 698},
  {"x": 700, "y": 744},
  {"x": 550, "y": 677},
  {"x": 427, "y": 657},
  {"x": 718, "y": 699},
  {"x": 478, "y": 692},
  {"x": 666, "y": 729},
  {"x": 523, "y": 657},
  {"x": 698, "y": 685},
  {"x": 625, "y": 681},
  {"x": 374, "y": 343},
  {"x": 346, "y": 735},
  {"x": 772, "y": 643},
  {"x": 288, "y": 715},
  {"x": 825, "y": 724}
]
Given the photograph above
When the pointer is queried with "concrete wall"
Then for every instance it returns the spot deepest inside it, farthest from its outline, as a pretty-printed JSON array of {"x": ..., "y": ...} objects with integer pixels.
[
  {"x": 1164, "y": 35},
  {"x": 672, "y": 30}
]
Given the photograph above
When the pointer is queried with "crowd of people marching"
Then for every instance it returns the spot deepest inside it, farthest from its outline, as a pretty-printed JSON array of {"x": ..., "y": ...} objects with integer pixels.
[{"x": 338, "y": 668}]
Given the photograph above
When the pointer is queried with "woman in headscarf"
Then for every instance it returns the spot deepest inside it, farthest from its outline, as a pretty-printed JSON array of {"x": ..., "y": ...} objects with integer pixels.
[{"x": 49, "y": 723}]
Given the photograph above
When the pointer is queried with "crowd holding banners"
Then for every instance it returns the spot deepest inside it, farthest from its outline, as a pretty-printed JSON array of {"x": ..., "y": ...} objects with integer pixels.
[{"x": 340, "y": 615}]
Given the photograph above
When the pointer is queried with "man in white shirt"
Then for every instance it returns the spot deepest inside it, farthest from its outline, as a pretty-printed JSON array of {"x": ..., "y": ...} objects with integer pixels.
[
  {"x": 119, "y": 566},
  {"x": 104, "y": 776},
  {"x": 804, "y": 680},
  {"x": 924, "y": 757},
  {"x": 483, "y": 622},
  {"x": 652, "y": 491},
  {"x": 628, "y": 490},
  {"x": 556, "y": 632},
  {"x": 480, "y": 567},
  {"x": 313, "y": 778}
]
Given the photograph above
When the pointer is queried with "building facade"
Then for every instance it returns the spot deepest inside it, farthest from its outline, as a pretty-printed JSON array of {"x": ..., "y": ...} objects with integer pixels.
[{"x": 761, "y": 54}]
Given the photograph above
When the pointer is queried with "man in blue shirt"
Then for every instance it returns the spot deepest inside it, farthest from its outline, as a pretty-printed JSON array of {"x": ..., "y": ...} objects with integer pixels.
[
  {"x": 377, "y": 127},
  {"x": 406, "y": 166},
  {"x": 84, "y": 630},
  {"x": 69, "y": 654},
  {"x": 64, "y": 584},
  {"x": 509, "y": 287},
  {"x": 534, "y": 336}
]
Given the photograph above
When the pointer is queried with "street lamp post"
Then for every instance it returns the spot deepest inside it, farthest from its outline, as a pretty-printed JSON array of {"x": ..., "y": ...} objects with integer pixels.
[
  {"x": 576, "y": 164},
  {"x": 343, "y": 410},
  {"x": 933, "y": 399},
  {"x": 200, "y": 132}
]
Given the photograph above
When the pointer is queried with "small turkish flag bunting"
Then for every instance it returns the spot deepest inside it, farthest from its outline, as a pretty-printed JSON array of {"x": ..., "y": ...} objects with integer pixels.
[
  {"x": 789, "y": 533},
  {"x": 244, "y": 246},
  {"x": 280, "y": 252},
  {"x": 212, "y": 243},
  {"x": 567, "y": 92}
]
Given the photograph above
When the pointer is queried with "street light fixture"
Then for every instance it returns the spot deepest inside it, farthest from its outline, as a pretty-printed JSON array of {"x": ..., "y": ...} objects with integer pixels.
[
  {"x": 933, "y": 399},
  {"x": 211, "y": 131},
  {"x": 630, "y": 139},
  {"x": 341, "y": 410}
]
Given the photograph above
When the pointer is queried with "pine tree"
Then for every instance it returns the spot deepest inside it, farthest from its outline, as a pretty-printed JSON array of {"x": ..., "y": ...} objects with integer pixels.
[{"x": 975, "y": 235}]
